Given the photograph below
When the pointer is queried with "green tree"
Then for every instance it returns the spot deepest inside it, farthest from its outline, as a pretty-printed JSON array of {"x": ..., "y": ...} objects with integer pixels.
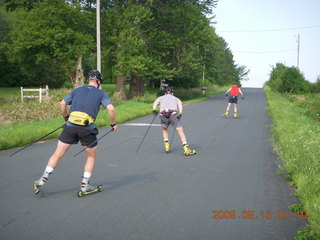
[
  {"x": 129, "y": 54},
  {"x": 48, "y": 40},
  {"x": 142, "y": 41},
  {"x": 293, "y": 81},
  {"x": 242, "y": 73},
  {"x": 180, "y": 36},
  {"x": 275, "y": 79},
  {"x": 153, "y": 40},
  {"x": 285, "y": 79},
  {"x": 10, "y": 73},
  {"x": 12, "y": 5},
  {"x": 315, "y": 87}
]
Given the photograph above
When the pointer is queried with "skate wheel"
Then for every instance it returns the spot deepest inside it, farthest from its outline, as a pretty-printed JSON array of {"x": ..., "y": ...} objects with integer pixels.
[
  {"x": 36, "y": 189},
  {"x": 80, "y": 193},
  {"x": 99, "y": 188}
]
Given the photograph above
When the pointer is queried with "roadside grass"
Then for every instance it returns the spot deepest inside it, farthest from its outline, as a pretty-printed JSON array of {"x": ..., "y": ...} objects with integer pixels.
[
  {"x": 13, "y": 111},
  {"x": 297, "y": 143},
  {"x": 198, "y": 99},
  {"x": 309, "y": 102},
  {"x": 216, "y": 89},
  {"x": 21, "y": 134},
  {"x": 9, "y": 92},
  {"x": 22, "y": 123}
]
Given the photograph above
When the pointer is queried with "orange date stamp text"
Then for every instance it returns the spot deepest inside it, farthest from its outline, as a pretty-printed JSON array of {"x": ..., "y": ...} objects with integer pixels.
[{"x": 263, "y": 214}]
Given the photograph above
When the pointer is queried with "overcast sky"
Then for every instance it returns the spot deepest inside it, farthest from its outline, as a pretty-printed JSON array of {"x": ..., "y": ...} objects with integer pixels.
[{"x": 262, "y": 33}]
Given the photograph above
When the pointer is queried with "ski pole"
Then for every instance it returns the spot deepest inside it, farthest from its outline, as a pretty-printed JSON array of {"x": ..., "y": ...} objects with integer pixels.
[
  {"x": 174, "y": 130},
  {"x": 36, "y": 141},
  {"x": 93, "y": 142},
  {"x": 146, "y": 133}
]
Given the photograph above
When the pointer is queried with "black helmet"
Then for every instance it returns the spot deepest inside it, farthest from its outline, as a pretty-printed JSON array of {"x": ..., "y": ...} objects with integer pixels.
[
  {"x": 95, "y": 75},
  {"x": 169, "y": 90}
]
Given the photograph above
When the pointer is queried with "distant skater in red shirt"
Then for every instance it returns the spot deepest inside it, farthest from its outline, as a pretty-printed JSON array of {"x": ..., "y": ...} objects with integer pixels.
[{"x": 234, "y": 92}]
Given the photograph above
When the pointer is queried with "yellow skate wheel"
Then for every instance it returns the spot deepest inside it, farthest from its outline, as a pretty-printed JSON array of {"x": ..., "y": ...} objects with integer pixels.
[
  {"x": 80, "y": 193},
  {"x": 36, "y": 189}
]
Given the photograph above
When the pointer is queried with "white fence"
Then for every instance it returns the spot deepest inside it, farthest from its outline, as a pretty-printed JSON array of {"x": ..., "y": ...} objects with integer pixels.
[{"x": 39, "y": 94}]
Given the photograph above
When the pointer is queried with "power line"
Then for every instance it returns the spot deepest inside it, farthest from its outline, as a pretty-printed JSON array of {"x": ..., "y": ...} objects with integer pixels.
[
  {"x": 266, "y": 52},
  {"x": 269, "y": 30}
]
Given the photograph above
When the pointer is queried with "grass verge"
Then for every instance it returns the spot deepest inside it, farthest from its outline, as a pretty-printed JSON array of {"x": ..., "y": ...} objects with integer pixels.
[
  {"x": 297, "y": 143},
  {"x": 22, "y": 123},
  {"x": 21, "y": 134}
]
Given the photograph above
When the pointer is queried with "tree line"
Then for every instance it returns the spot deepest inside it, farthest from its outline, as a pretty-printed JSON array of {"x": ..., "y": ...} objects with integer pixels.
[
  {"x": 143, "y": 41},
  {"x": 286, "y": 79}
]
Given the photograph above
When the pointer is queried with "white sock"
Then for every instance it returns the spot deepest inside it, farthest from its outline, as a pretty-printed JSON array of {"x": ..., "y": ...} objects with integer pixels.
[
  {"x": 166, "y": 140},
  {"x": 47, "y": 171},
  {"x": 184, "y": 143},
  {"x": 86, "y": 177}
]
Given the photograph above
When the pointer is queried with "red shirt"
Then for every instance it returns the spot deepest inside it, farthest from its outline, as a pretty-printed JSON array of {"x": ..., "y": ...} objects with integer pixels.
[{"x": 234, "y": 90}]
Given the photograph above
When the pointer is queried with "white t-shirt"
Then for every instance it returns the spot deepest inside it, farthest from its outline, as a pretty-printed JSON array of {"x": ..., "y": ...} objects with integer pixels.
[{"x": 168, "y": 101}]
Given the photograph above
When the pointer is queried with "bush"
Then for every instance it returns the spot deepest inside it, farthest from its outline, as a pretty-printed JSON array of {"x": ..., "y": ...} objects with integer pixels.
[
  {"x": 315, "y": 87},
  {"x": 292, "y": 81},
  {"x": 275, "y": 77},
  {"x": 288, "y": 80},
  {"x": 185, "y": 94}
]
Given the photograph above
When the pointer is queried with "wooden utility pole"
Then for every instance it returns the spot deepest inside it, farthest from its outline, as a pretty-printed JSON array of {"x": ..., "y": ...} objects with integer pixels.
[{"x": 298, "y": 41}]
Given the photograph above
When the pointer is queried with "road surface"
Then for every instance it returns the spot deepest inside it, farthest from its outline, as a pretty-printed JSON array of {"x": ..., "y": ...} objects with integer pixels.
[{"x": 229, "y": 190}]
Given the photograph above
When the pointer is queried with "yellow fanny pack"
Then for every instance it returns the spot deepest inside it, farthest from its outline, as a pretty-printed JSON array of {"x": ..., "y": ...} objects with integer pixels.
[{"x": 80, "y": 118}]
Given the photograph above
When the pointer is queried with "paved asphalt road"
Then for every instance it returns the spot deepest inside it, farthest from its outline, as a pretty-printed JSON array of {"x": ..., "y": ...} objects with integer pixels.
[{"x": 154, "y": 195}]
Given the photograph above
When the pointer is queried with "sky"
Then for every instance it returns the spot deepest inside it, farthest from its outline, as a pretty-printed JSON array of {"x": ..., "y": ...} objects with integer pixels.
[{"x": 262, "y": 33}]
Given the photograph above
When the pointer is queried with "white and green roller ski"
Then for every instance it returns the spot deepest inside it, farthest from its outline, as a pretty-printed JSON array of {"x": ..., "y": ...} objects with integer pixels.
[{"x": 89, "y": 190}]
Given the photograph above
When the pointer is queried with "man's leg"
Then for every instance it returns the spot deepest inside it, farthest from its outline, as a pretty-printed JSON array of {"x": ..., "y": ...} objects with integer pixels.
[
  {"x": 228, "y": 107},
  {"x": 235, "y": 110},
  {"x": 53, "y": 162},
  {"x": 227, "y": 110},
  {"x": 88, "y": 169},
  {"x": 165, "y": 136},
  {"x": 58, "y": 154},
  {"x": 186, "y": 149},
  {"x": 182, "y": 135}
]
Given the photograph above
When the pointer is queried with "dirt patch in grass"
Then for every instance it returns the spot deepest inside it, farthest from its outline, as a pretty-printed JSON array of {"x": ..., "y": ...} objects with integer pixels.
[{"x": 13, "y": 111}]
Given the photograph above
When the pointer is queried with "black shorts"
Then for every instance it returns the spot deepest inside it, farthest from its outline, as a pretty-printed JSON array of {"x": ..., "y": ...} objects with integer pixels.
[
  {"x": 72, "y": 135},
  {"x": 233, "y": 99}
]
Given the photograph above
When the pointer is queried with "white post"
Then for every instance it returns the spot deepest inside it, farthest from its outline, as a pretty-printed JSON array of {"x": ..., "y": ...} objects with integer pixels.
[
  {"x": 22, "y": 94},
  {"x": 47, "y": 91},
  {"x": 40, "y": 95}
]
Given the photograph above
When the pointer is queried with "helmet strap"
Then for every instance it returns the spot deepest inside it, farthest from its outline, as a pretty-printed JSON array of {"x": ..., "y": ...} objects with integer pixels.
[{"x": 98, "y": 83}]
